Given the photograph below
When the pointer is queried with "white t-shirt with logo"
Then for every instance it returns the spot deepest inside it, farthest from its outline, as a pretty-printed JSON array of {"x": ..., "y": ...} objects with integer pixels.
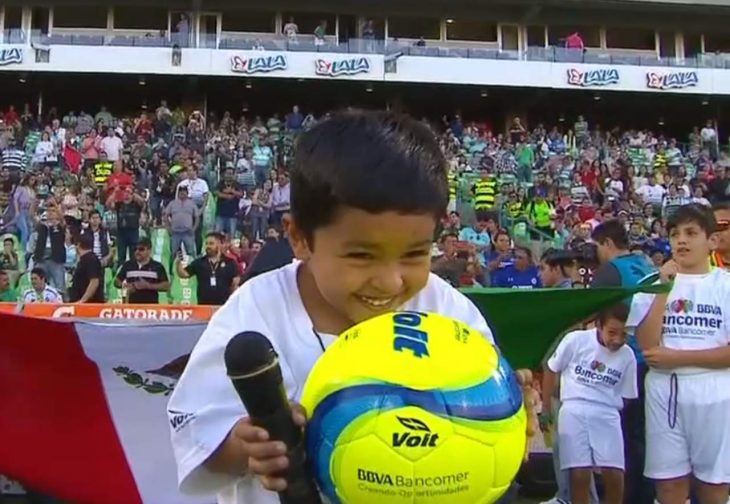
[
  {"x": 653, "y": 194},
  {"x": 696, "y": 313},
  {"x": 591, "y": 372},
  {"x": 208, "y": 403}
]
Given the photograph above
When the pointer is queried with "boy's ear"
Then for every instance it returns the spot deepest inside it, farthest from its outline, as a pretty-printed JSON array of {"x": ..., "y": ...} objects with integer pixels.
[{"x": 297, "y": 238}]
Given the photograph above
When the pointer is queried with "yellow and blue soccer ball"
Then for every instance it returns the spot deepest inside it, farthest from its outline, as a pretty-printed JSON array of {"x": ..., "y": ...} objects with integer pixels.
[{"x": 413, "y": 408}]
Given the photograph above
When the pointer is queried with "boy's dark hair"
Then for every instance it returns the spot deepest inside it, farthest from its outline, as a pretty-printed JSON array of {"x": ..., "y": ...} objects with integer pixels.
[
  {"x": 40, "y": 272},
  {"x": 447, "y": 235},
  {"x": 85, "y": 241},
  {"x": 619, "y": 311},
  {"x": 372, "y": 161},
  {"x": 526, "y": 250},
  {"x": 94, "y": 212},
  {"x": 485, "y": 216},
  {"x": 693, "y": 213},
  {"x": 6, "y": 240},
  {"x": 216, "y": 235},
  {"x": 721, "y": 205},
  {"x": 501, "y": 232},
  {"x": 613, "y": 230}
]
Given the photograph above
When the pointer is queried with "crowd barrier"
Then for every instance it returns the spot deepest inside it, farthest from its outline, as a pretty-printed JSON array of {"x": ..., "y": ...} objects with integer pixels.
[{"x": 161, "y": 313}]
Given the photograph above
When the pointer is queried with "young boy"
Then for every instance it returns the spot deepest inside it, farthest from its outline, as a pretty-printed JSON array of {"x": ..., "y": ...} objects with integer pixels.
[
  {"x": 597, "y": 373},
  {"x": 685, "y": 336},
  {"x": 367, "y": 190}
]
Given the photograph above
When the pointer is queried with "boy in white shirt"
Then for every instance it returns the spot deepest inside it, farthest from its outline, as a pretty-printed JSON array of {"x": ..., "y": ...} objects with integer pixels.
[
  {"x": 597, "y": 373},
  {"x": 685, "y": 336},
  {"x": 367, "y": 190}
]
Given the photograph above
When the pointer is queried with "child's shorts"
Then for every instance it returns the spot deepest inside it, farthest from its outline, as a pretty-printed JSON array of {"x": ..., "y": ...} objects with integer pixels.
[
  {"x": 688, "y": 426},
  {"x": 590, "y": 436}
]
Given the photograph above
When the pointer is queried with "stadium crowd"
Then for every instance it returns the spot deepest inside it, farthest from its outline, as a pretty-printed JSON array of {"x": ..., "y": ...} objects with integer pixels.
[
  {"x": 83, "y": 198},
  {"x": 513, "y": 195}
]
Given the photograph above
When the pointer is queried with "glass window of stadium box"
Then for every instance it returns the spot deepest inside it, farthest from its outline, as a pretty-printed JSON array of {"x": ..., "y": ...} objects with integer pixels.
[
  {"x": 667, "y": 45},
  {"x": 693, "y": 44},
  {"x": 208, "y": 28},
  {"x": 717, "y": 42},
  {"x": 469, "y": 30},
  {"x": 248, "y": 21},
  {"x": 413, "y": 28},
  {"x": 141, "y": 18},
  {"x": 40, "y": 20},
  {"x": 307, "y": 22},
  {"x": 13, "y": 25},
  {"x": 557, "y": 34},
  {"x": 84, "y": 17},
  {"x": 537, "y": 36},
  {"x": 640, "y": 39}
]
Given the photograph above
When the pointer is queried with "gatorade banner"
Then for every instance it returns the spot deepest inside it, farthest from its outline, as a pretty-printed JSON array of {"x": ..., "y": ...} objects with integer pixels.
[{"x": 162, "y": 313}]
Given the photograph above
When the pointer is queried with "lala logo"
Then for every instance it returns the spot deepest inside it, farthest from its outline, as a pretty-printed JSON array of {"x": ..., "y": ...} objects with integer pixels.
[
  {"x": 336, "y": 68},
  {"x": 675, "y": 80},
  {"x": 681, "y": 306},
  {"x": 258, "y": 64},
  {"x": 13, "y": 55},
  {"x": 591, "y": 78}
]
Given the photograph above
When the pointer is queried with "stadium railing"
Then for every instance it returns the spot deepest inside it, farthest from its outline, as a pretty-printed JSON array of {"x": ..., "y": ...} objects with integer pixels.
[{"x": 369, "y": 46}]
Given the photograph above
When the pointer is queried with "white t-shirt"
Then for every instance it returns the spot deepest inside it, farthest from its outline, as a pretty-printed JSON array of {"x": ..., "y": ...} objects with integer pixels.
[
  {"x": 48, "y": 295},
  {"x": 652, "y": 193},
  {"x": 113, "y": 146},
  {"x": 591, "y": 372},
  {"x": 208, "y": 403},
  {"x": 696, "y": 313}
]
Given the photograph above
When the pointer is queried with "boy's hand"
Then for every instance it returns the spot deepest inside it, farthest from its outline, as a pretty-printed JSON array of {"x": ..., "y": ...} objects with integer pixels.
[
  {"x": 531, "y": 399},
  {"x": 661, "y": 357},
  {"x": 266, "y": 459},
  {"x": 668, "y": 272}
]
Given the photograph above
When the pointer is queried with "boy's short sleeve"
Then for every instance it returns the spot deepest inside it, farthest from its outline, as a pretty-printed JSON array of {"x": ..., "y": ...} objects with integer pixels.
[
  {"x": 204, "y": 406},
  {"x": 560, "y": 359},
  {"x": 629, "y": 387},
  {"x": 456, "y": 305},
  {"x": 640, "y": 306}
]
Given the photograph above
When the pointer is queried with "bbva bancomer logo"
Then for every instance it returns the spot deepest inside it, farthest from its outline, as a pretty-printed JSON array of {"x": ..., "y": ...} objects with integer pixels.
[{"x": 334, "y": 68}]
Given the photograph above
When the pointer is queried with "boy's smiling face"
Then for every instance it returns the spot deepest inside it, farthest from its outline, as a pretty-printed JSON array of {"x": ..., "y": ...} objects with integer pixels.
[{"x": 362, "y": 265}]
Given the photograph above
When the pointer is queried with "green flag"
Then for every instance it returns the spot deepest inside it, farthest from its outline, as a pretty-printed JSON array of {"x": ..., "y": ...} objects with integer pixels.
[{"x": 526, "y": 323}]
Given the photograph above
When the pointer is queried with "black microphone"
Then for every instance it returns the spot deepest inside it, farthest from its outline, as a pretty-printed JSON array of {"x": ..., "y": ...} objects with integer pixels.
[{"x": 253, "y": 367}]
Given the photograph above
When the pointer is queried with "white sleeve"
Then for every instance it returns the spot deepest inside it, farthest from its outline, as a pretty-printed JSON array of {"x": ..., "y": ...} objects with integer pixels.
[
  {"x": 560, "y": 359},
  {"x": 456, "y": 305},
  {"x": 640, "y": 306},
  {"x": 629, "y": 388},
  {"x": 204, "y": 405}
]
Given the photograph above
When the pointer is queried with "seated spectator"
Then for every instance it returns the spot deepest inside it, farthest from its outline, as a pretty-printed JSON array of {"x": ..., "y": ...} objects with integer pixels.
[
  {"x": 523, "y": 274},
  {"x": 7, "y": 290},
  {"x": 40, "y": 292}
]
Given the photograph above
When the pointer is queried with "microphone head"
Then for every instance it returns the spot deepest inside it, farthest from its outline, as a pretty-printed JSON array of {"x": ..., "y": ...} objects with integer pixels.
[{"x": 248, "y": 352}]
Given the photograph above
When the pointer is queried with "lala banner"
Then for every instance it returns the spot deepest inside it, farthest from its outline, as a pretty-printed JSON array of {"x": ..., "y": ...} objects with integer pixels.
[{"x": 84, "y": 402}]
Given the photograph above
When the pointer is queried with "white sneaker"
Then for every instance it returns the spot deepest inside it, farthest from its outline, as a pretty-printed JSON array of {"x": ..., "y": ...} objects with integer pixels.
[{"x": 555, "y": 500}]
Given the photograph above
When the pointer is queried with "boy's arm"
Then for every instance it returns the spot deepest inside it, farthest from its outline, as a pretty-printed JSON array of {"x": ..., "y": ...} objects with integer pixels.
[
  {"x": 649, "y": 331},
  {"x": 549, "y": 382},
  {"x": 557, "y": 362}
]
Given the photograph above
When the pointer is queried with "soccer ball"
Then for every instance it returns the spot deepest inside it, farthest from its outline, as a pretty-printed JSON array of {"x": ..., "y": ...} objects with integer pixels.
[{"x": 413, "y": 408}]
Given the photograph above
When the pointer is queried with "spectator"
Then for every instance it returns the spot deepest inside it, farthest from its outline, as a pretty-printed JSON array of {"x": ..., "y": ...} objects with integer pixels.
[
  {"x": 291, "y": 30},
  {"x": 127, "y": 206},
  {"x": 260, "y": 212},
  {"x": 280, "y": 198},
  {"x": 574, "y": 41},
  {"x": 320, "y": 32},
  {"x": 182, "y": 219},
  {"x": 163, "y": 192},
  {"x": 7, "y": 291},
  {"x": 198, "y": 191},
  {"x": 229, "y": 194},
  {"x": 112, "y": 146},
  {"x": 142, "y": 278},
  {"x": 87, "y": 284},
  {"x": 49, "y": 252},
  {"x": 523, "y": 274},
  {"x": 101, "y": 239},
  {"x": 217, "y": 275},
  {"x": 40, "y": 291},
  {"x": 558, "y": 269},
  {"x": 452, "y": 260}
]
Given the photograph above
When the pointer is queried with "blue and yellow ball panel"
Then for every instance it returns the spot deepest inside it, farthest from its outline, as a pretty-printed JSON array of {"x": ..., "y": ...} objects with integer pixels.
[{"x": 438, "y": 419}]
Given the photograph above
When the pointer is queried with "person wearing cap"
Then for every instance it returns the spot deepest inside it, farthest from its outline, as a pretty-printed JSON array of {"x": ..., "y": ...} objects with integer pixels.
[
  {"x": 720, "y": 257},
  {"x": 142, "y": 278}
]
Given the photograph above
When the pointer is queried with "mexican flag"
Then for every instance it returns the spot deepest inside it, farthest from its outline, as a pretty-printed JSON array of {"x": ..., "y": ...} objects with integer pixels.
[{"x": 84, "y": 402}]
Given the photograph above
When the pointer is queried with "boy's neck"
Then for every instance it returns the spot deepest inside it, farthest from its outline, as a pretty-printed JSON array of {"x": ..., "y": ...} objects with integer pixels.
[
  {"x": 699, "y": 269},
  {"x": 324, "y": 318}
]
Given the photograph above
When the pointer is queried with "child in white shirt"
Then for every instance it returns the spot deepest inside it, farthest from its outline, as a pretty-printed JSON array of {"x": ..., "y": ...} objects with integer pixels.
[
  {"x": 367, "y": 190},
  {"x": 597, "y": 373},
  {"x": 685, "y": 336}
]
